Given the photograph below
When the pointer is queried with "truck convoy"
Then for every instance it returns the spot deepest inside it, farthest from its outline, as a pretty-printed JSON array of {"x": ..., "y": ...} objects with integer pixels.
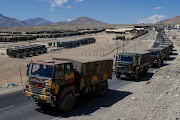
[
  {"x": 131, "y": 64},
  {"x": 60, "y": 80}
]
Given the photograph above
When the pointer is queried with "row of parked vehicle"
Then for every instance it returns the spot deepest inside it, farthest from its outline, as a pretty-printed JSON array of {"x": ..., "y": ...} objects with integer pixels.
[
  {"x": 26, "y": 51},
  {"x": 132, "y": 64},
  {"x": 76, "y": 43}
]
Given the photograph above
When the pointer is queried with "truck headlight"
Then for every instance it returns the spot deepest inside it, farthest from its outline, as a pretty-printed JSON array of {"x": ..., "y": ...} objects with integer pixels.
[
  {"x": 48, "y": 92},
  {"x": 27, "y": 80}
]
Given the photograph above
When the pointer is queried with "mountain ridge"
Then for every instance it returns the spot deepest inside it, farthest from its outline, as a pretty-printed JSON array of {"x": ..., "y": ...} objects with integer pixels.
[
  {"x": 174, "y": 20},
  {"x": 7, "y": 22}
]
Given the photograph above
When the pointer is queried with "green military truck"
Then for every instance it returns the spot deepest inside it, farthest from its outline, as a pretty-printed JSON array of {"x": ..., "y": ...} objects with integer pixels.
[
  {"x": 25, "y": 51},
  {"x": 61, "y": 80},
  {"x": 170, "y": 45},
  {"x": 132, "y": 64},
  {"x": 157, "y": 56},
  {"x": 167, "y": 50}
]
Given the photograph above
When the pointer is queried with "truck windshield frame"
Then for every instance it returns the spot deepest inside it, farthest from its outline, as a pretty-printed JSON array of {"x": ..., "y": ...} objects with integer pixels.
[
  {"x": 41, "y": 70},
  {"x": 124, "y": 58}
]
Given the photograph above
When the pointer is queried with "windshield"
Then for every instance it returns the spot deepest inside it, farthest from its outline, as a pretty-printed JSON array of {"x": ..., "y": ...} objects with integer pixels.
[
  {"x": 40, "y": 70},
  {"x": 124, "y": 58},
  {"x": 153, "y": 52}
]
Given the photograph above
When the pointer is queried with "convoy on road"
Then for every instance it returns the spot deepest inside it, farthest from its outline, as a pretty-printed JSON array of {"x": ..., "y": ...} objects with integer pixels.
[
  {"x": 26, "y": 51},
  {"x": 60, "y": 80},
  {"x": 131, "y": 64}
]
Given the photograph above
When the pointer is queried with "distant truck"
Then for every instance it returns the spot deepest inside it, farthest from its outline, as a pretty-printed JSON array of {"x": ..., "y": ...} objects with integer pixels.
[
  {"x": 61, "y": 80},
  {"x": 168, "y": 50},
  {"x": 132, "y": 64},
  {"x": 157, "y": 56}
]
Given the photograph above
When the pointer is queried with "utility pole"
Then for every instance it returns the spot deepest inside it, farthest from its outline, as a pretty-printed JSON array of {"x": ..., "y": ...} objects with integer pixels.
[
  {"x": 117, "y": 46},
  {"x": 123, "y": 45}
]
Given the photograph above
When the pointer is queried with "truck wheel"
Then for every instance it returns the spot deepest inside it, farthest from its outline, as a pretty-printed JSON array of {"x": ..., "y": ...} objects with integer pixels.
[
  {"x": 101, "y": 89},
  {"x": 67, "y": 103},
  {"x": 162, "y": 63},
  {"x": 136, "y": 76},
  {"x": 17, "y": 56},
  {"x": 167, "y": 57},
  {"x": 145, "y": 70},
  {"x": 40, "y": 104},
  {"x": 118, "y": 75},
  {"x": 159, "y": 64}
]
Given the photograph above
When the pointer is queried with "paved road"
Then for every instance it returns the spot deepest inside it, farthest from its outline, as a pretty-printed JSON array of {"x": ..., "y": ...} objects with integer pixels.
[
  {"x": 158, "y": 40},
  {"x": 16, "y": 106}
]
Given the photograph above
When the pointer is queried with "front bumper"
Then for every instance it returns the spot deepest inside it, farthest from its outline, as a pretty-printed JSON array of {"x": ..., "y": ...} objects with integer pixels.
[{"x": 44, "y": 98}]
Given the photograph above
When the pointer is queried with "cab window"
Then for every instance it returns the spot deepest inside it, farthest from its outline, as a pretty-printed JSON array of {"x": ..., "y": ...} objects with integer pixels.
[
  {"x": 59, "y": 71},
  {"x": 69, "y": 69}
]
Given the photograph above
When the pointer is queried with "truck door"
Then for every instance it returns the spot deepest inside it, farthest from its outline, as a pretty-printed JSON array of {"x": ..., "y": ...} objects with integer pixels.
[
  {"x": 69, "y": 73},
  {"x": 60, "y": 74}
]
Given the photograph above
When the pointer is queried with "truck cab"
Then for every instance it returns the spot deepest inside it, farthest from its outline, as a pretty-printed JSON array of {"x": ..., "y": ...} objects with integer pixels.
[
  {"x": 132, "y": 64},
  {"x": 125, "y": 63},
  {"x": 59, "y": 81},
  {"x": 45, "y": 79}
]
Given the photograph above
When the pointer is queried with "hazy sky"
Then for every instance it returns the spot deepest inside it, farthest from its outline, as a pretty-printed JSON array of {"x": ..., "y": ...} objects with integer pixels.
[{"x": 110, "y": 11}]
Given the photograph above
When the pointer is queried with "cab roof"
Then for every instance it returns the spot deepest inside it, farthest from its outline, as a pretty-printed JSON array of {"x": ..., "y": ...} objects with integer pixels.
[{"x": 51, "y": 62}]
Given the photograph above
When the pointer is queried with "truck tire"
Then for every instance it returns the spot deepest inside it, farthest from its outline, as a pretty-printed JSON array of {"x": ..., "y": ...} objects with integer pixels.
[
  {"x": 101, "y": 89},
  {"x": 162, "y": 62},
  {"x": 136, "y": 76},
  {"x": 40, "y": 104},
  {"x": 159, "y": 64},
  {"x": 67, "y": 103},
  {"x": 167, "y": 57},
  {"x": 17, "y": 56},
  {"x": 145, "y": 70},
  {"x": 118, "y": 75}
]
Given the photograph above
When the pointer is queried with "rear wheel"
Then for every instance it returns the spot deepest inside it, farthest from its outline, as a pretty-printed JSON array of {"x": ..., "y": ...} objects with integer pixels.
[
  {"x": 67, "y": 103},
  {"x": 40, "y": 104},
  {"x": 145, "y": 70},
  {"x": 159, "y": 64},
  {"x": 118, "y": 75},
  {"x": 136, "y": 76},
  {"x": 101, "y": 89}
]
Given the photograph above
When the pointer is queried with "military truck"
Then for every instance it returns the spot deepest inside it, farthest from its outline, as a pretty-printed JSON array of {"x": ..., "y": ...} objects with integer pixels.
[
  {"x": 15, "y": 52},
  {"x": 131, "y": 64},
  {"x": 60, "y": 80},
  {"x": 67, "y": 44},
  {"x": 25, "y": 51},
  {"x": 170, "y": 45},
  {"x": 167, "y": 50},
  {"x": 157, "y": 56}
]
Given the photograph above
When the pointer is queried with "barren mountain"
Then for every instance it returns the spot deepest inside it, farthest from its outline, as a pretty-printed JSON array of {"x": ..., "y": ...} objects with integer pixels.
[
  {"x": 81, "y": 21},
  {"x": 10, "y": 22},
  {"x": 175, "y": 20},
  {"x": 37, "y": 22}
]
